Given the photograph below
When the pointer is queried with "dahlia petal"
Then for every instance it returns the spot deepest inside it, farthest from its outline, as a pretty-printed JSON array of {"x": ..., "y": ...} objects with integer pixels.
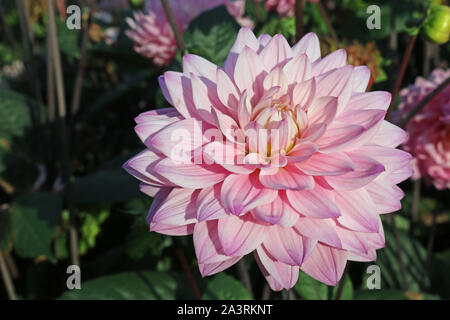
[
  {"x": 365, "y": 170},
  {"x": 308, "y": 44},
  {"x": 314, "y": 132},
  {"x": 326, "y": 264},
  {"x": 317, "y": 203},
  {"x": 332, "y": 164},
  {"x": 323, "y": 230},
  {"x": 369, "y": 100},
  {"x": 358, "y": 212},
  {"x": 148, "y": 189},
  {"x": 188, "y": 175},
  {"x": 179, "y": 139},
  {"x": 302, "y": 151},
  {"x": 389, "y": 135},
  {"x": 179, "y": 88},
  {"x": 370, "y": 256},
  {"x": 199, "y": 66},
  {"x": 286, "y": 178},
  {"x": 384, "y": 196},
  {"x": 229, "y": 127},
  {"x": 208, "y": 204},
  {"x": 264, "y": 39},
  {"x": 249, "y": 73},
  {"x": 174, "y": 207},
  {"x": 240, "y": 235},
  {"x": 244, "y": 110},
  {"x": 172, "y": 230},
  {"x": 241, "y": 193},
  {"x": 278, "y": 212},
  {"x": 391, "y": 158},
  {"x": 336, "y": 59},
  {"x": 337, "y": 136},
  {"x": 207, "y": 269},
  {"x": 298, "y": 69},
  {"x": 245, "y": 37},
  {"x": 399, "y": 175},
  {"x": 201, "y": 99},
  {"x": 276, "y": 78},
  {"x": 336, "y": 83},
  {"x": 159, "y": 114},
  {"x": 288, "y": 246},
  {"x": 322, "y": 110},
  {"x": 303, "y": 93},
  {"x": 207, "y": 243},
  {"x": 361, "y": 78},
  {"x": 276, "y": 52},
  {"x": 279, "y": 275},
  {"x": 353, "y": 241},
  {"x": 226, "y": 90}
]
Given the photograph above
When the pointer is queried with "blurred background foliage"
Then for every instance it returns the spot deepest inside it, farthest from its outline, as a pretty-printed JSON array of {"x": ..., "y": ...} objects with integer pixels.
[{"x": 120, "y": 259}]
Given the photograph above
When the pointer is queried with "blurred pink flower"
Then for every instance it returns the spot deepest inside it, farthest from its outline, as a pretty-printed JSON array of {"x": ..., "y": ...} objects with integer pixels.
[
  {"x": 429, "y": 130},
  {"x": 152, "y": 35},
  {"x": 282, "y": 7},
  {"x": 279, "y": 152}
]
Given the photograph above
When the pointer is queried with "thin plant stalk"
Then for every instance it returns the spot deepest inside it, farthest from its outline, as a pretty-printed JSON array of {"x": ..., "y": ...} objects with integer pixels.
[
  {"x": 188, "y": 273},
  {"x": 401, "y": 73},
  {"x": 340, "y": 288},
  {"x": 401, "y": 261},
  {"x": 59, "y": 82},
  {"x": 6, "y": 276},
  {"x": 299, "y": 6},
  {"x": 245, "y": 277},
  {"x": 266, "y": 292},
  {"x": 174, "y": 25},
  {"x": 326, "y": 18}
]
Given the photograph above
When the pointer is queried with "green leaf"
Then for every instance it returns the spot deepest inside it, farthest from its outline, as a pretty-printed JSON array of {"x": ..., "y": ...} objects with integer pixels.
[
  {"x": 32, "y": 219},
  {"x": 211, "y": 35},
  {"x": 68, "y": 40},
  {"x": 146, "y": 285},
  {"x": 385, "y": 294},
  {"x": 225, "y": 287},
  {"x": 14, "y": 113},
  {"x": 310, "y": 289},
  {"x": 105, "y": 185},
  {"x": 347, "y": 290},
  {"x": 5, "y": 229}
]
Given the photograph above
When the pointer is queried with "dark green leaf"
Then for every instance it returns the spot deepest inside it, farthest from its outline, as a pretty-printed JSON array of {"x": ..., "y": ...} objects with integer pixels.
[
  {"x": 310, "y": 289},
  {"x": 146, "y": 285},
  {"x": 14, "y": 113},
  {"x": 225, "y": 287}
]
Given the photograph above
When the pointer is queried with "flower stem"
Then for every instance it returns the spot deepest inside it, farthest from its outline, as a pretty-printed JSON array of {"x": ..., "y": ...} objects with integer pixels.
[
  {"x": 424, "y": 102},
  {"x": 188, "y": 273},
  {"x": 245, "y": 277},
  {"x": 401, "y": 261},
  {"x": 299, "y": 4},
  {"x": 59, "y": 82},
  {"x": 9, "y": 285},
  {"x": 401, "y": 74},
  {"x": 342, "y": 282},
  {"x": 326, "y": 18},
  {"x": 174, "y": 25}
]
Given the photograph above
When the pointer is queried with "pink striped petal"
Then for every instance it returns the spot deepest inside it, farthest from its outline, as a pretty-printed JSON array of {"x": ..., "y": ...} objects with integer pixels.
[
  {"x": 207, "y": 269},
  {"x": 389, "y": 135},
  {"x": 242, "y": 193},
  {"x": 361, "y": 78},
  {"x": 278, "y": 212},
  {"x": 240, "y": 235},
  {"x": 207, "y": 243},
  {"x": 249, "y": 73},
  {"x": 276, "y": 52},
  {"x": 369, "y": 100},
  {"x": 308, "y": 44},
  {"x": 358, "y": 210},
  {"x": 323, "y": 230},
  {"x": 337, "y": 136},
  {"x": 326, "y": 264},
  {"x": 199, "y": 66},
  {"x": 179, "y": 90},
  {"x": 353, "y": 241},
  {"x": 317, "y": 203},
  {"x": 226, "y": 90},
  {"x": 279, "y": 275},
  {"x": 302, "y": 151},
  {"x": 385, "y": 197},
  {"x": 208, "y": 204},
  {"x": 327, "y": 164},
  {"x": 288, "y": 246},
  {"x": 172, "y": 230},
  {"x": 298, "y": 69},
  {"x": 244, "y": 38},
  {"x": 336, "y": 59},
  {"x": 322, "y": 110},
  {"x": 303, "y": 93},
  {"x": 286, "y": 178}
]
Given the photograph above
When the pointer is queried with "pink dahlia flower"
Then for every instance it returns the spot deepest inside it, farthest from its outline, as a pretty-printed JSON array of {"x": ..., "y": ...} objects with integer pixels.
[
  {"x": 152, "y": 35},
  {"x": 282, "y": 7},
  {"x": 279, "y": 153},
  {"x": 429, "y": 130}
]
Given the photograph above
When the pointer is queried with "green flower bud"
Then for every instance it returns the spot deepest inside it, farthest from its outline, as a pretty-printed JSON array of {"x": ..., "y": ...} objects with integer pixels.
[{"x": 437, "y": 26}]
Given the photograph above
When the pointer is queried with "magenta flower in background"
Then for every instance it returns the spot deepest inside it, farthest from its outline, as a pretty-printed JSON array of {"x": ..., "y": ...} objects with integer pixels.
[
  {"x": 429, "y": 130},
  {"x": 152, "y": 35},
  {"x": 282, "y": 7},
  {"x": 279, "y": 153}
]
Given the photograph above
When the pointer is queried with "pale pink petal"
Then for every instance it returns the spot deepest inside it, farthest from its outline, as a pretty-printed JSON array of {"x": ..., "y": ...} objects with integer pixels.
[
  {"x": 298, "y": 69},
  {"x": 207, "y": 243},
  {"x": 288, "y": 246},
  {"x": 208, "y": 204},
  {"x": 240, "y": 235},
  {"x": 227, "y": 91},
  {"x": 308, "y": 44},
  {"x": 241, "y": 193},
  {"x": 330, "y": 164},
  {"x": 286, "y": 178},
  {"x": 302, "y": 151},
  {"x": 323, "y": 230},
  {"x": 317, "y": 203},
  {"x": 334, "y": 60},
  {"x": 199, "y": 66},
  {"x": 207, "y": 269},
  {"x": 389, "y": 135},
  {"x": 244, "y": 38},
  {"x": 326, "y": 264},
  {"x": 322, "y": 110},
  {"x": 361, "y": 78},
  {"x": 179, "y": 90},
  {"x": 278, "y": 212},
  {"x": 337, "y": 136},
  {"x": 172, "y": 230},
  {"x": 303, "y": 93},
  {"x": 369, "y": 100},
  {"x": 358, "y": 210},
  {"x": 276, "y": 52},
  {"x": 279, "y": 275}
]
